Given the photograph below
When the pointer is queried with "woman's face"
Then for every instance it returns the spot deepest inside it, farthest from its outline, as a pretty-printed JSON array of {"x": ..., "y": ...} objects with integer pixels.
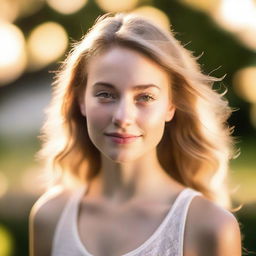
[{"x": 126, "y": 104}]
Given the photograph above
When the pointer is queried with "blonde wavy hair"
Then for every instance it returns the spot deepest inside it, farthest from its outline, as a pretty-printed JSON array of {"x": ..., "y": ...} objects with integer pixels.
[{"x": 197, "y": 144}]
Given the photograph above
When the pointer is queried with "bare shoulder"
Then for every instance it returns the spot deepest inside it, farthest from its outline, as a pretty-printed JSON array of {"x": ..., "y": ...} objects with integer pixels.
[
  {"x": 216, "y": 231},
  {"x": 43, "y": 219}
]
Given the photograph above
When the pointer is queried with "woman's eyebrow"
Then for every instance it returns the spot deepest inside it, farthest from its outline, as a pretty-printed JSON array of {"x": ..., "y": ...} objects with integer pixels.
[{"x": 135, "y": 88}]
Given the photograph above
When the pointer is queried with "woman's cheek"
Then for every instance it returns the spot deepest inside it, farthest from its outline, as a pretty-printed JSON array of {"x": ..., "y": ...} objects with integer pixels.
[
  {"x": 153, "y": 117},
  {"x": 98, "y": 118}
]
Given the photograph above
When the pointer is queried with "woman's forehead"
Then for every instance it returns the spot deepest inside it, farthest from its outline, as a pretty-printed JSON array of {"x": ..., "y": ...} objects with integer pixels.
[{"x": 123, "y": 63}]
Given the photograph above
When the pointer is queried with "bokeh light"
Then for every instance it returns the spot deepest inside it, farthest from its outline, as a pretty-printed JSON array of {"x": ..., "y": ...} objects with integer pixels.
[
  {"x": 8, "y": 10},
  {"x": 29, "y": 7},
  {"x": 154, "y": 14},
  {"x": 248, "y": 38},
  {"x": 202, "y": 5},
  {"x": 13, "y": 57},
  {"x": 244, "y": 82},
  {"x": 116, "y": 5},
  {"x": 66, "y": 6},
  {"x": 236, "y": 14},
  {"x": 238, "y": 17},
  {"x": 6, "y": 242},
  {"x": 46, "y": 43}
]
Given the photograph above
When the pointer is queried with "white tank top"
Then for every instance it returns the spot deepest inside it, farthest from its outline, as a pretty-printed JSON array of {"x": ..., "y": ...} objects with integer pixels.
[{"x": 167, "y": 239}]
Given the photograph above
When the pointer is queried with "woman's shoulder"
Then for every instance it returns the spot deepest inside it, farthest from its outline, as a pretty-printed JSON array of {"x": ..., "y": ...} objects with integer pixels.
[
  {"x": 50, "y": 203},
  {"x": 43, "y": 219},
  {"x": 215, "y": 230}
]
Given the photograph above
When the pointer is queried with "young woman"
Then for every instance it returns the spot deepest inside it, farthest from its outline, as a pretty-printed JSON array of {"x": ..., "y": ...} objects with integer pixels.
[{"x": 139, "y": 126}]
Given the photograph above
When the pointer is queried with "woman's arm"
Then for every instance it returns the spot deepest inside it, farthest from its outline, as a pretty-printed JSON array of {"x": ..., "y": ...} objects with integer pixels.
[
  {"x": 43, "y": 218},
  {"x": 216, "y": 231},
  {"x": 222, "y": 237}
]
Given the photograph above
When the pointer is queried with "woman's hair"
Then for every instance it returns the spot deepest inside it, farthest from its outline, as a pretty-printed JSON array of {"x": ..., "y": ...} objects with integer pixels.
[{"x": 197, "y": 143}]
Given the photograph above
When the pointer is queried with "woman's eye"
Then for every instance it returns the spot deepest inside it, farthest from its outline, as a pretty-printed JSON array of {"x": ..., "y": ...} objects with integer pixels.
[
  {"x": 105, "y": 96},
  {"x": 145, "y": 98}
]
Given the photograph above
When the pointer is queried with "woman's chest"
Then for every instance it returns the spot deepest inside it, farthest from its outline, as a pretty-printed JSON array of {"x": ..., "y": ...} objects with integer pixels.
[{"x": 104, "y": 232}]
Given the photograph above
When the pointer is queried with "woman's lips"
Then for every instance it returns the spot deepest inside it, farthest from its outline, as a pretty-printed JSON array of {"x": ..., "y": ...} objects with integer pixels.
[{"x": 122, "y": 138}]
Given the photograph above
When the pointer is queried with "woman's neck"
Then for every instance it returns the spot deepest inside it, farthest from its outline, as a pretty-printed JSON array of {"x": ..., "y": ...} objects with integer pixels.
[{"x": 120, "y": 182}]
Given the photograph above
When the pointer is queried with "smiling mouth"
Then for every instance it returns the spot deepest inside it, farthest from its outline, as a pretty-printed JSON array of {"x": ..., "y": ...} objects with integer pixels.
[{"x": 122, "y": 138}]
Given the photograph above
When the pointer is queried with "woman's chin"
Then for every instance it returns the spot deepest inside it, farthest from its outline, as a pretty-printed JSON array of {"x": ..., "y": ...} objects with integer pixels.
[{"x": 121, "y": 158}]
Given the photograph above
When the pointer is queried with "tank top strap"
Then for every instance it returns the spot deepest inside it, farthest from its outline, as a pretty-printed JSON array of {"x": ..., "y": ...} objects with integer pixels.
[
  {"x": 168, "y": 239},
  {"x": 65, "y": 232},
  {"x": 176, "y": 226}
]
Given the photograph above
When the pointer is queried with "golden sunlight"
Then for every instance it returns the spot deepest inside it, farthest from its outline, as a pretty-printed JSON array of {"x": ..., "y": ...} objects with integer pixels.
[
  {"x": 116, "y": 5},
  {"x": 67, "y": 6},
  {"x": 11, "y": 10},
  {"x": 248, "y": 38},
  {"x": 235, "y": 15},
  {"x": 46, "y": 44},
  {"x": 238, "y": 17},
  {"x": 202, "y": 5},
  {"x": 13, "y": 57},
  {"x": 154, "y": 14},
  {"x": 244, "y": 83},
  {"x": 8, "y": 10}
]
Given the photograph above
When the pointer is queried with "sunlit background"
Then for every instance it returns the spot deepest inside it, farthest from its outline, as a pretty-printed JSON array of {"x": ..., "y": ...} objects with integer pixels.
[{"x": 35, "y": 35}]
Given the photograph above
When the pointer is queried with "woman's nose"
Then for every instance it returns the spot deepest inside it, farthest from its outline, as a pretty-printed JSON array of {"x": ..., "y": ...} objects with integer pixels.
[{"x": 124, "y": 113}]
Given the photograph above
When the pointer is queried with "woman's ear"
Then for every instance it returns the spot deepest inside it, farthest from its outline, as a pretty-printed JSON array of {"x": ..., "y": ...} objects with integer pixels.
[
  {"x": 170, "y": 113},
  {"x": 82, "y": 106}
]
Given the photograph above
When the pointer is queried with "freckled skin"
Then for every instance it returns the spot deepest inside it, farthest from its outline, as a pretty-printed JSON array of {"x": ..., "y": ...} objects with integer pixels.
[{"x": 123, "y": 109}]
